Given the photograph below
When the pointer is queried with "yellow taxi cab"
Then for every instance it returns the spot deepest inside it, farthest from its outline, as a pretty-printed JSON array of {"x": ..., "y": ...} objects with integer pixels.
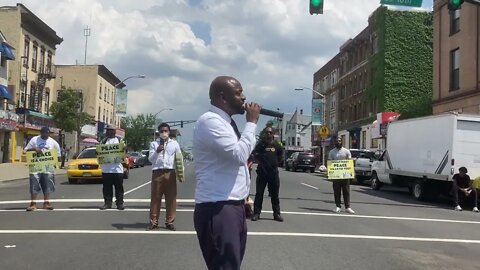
[{"x": 85, "y": 167}]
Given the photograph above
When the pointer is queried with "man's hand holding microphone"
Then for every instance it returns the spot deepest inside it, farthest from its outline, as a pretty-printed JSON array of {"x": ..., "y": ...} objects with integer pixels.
[{"x": 253, "y": 111}]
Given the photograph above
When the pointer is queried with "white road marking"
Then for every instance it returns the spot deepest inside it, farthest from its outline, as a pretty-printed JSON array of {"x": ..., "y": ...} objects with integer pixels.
[
  {"x": 88, "y": 200},
  {"x": 307, "y": 185},
  {"x": 319, "y": 235},
  {"x": 132, "y": 190},
  {"x": 270, "y": 212}
]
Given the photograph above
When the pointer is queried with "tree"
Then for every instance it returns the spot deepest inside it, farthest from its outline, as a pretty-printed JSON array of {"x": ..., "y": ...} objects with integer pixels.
[
  {"x": 67, "y": 112},
  {"x": 138, "y": 130}
]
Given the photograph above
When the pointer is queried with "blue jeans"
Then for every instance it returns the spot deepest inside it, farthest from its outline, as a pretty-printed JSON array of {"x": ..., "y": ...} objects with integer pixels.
[{"x": 42, "y": 182}]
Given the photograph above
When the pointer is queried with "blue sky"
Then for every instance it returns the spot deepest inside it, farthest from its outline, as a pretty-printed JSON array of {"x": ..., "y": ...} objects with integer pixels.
[{"x": 271, "y": 46}]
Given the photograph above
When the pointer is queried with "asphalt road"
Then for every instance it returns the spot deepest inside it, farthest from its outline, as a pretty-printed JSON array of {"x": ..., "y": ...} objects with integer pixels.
[{"x": 389, "y": 231}]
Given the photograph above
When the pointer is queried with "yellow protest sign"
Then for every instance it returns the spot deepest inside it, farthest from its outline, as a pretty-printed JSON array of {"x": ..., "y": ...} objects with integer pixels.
[
  {"x": 44, "y": 162},
  {"x": 110, "y": 153},
  {"x": 340, "y": 169}
]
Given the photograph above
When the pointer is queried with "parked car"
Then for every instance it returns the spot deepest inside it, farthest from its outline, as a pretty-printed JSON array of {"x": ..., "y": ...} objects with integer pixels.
[
  {"x": 147, "y": 154},
  {"x": 300, "y": 160},
  {"x": 139, "y": 159},
  {"x": 85, "y": 166},
  {"x": 363, "y": 160}
]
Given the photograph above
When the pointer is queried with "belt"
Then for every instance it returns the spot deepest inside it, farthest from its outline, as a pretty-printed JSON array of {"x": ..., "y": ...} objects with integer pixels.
[{"x": 229, "y": 202}]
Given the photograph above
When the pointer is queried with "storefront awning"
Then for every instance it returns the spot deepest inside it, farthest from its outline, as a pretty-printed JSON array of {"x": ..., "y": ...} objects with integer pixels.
[
  {"x": 39, "y": 115},
  {"x": 4, "y": 93},
  {"x": 7, "y": 51}
]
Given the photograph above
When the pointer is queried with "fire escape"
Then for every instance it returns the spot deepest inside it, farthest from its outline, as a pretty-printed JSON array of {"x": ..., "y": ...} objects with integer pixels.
[{"x": 44, "y": 73}]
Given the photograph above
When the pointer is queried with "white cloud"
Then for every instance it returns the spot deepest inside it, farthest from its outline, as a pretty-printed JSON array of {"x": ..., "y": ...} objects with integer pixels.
[{"x": 270, "y": 46}]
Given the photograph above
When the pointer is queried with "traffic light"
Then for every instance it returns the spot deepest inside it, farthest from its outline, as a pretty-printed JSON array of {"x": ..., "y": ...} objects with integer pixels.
[
  {"x": 316, "y": 7},
  {"x": 454, "y": 4},
  {"x": 181, "y": 124}
]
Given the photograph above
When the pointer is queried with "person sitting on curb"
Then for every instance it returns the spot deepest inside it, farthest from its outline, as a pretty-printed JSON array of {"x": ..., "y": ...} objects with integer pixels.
[{"x": 462, "y": 186}]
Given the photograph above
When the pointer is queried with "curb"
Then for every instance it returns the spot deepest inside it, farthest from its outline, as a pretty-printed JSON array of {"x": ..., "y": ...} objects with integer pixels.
[{"x": 25, "y": 178}]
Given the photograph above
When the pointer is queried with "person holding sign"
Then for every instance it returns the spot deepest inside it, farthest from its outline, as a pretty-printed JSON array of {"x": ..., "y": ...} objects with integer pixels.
[
  {"x": 112, "y": 170},
  {"x": 42, "y": 179},
  {"x": 162, "y": 156},
  {"x": 341, "y": 185}
]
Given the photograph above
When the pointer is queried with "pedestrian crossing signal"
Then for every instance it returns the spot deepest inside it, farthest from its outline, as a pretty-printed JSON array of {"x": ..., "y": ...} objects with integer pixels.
[{"x": 316, "y": 7}]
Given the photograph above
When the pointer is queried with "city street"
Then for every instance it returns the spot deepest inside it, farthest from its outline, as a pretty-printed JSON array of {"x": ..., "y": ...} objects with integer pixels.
[{"x": 389, "y": 231}]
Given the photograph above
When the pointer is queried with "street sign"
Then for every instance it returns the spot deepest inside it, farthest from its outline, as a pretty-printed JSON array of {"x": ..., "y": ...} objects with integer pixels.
[
  {"x": 409, "y": 3},
  {"x": 324, "y": 132}
]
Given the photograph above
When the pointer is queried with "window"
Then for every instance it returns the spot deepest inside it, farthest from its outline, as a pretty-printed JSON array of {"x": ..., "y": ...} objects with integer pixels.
[
  {"x": 108, "y": 96},
  {"x": 47, "y": 101},
  {"x": 49, "y": 62},
  {"x": 34, "y": 57},
  {"x": 374, "y": 44},
  {"x": 298, "y": 141},
  {"x": 99, "y": 111},
  {"x": 41, "y": 61},
  {"x": 374, "y": 143},
  {"x": 26, "y": 52},
  {"x": 332, "y": 122},
  {"x": 455, "y": 70},
  {"x": 105, "y": 93},
  {"x": 364, "y": 139},
  {"x": 103, "y": 116},
  {"x": 106, "y": 118},
  {"x": 100, "y": 95},
  {"x": 454, "y": 22}
]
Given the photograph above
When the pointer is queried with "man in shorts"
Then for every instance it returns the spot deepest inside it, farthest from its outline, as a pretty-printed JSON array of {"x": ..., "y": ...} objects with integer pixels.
[{"x": 42, "y": 182}]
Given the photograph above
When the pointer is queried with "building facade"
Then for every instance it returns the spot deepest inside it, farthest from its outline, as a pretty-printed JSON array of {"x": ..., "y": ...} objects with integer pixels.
[
  {"x": 96, "y": 85},
  {"x": 325, "y": 82},
  {"x": 456, "y": 58},
  {"x": 386, "y": 67},
  {"x": 298, "y": 130},
  {"x": 8, "y": 117},
  {"x": 31, "y": 75}
]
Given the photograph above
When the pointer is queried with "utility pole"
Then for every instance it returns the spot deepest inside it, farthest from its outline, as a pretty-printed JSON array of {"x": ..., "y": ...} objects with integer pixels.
[{"x": 86, "y": 33}]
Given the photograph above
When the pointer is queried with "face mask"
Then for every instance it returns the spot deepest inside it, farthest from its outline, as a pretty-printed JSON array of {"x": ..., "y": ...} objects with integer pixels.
[{"x": 164, "y": 135}]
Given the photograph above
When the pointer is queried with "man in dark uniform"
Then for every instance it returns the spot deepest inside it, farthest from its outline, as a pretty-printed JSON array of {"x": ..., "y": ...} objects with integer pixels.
[{"x": 268, "y": 154}]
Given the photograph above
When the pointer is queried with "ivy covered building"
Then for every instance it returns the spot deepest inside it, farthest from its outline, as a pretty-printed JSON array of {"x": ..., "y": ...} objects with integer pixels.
[{"x": 386, "y": 67}]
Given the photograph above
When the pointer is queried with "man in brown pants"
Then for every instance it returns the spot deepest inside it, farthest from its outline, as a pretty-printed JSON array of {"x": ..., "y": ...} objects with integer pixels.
[{"x": 162, "y": 157}]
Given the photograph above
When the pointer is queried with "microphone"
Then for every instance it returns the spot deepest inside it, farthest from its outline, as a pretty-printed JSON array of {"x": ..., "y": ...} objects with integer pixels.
[{"x": 271, "y": 113}]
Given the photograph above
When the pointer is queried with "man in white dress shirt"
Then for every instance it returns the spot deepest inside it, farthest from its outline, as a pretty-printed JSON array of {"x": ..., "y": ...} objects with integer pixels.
[
  {"x": 162, "y": 156},
  {"x": 223, "y": 182}
]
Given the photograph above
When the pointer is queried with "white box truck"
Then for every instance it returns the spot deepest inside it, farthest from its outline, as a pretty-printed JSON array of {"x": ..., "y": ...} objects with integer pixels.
[{"x": 424, "y": 153}]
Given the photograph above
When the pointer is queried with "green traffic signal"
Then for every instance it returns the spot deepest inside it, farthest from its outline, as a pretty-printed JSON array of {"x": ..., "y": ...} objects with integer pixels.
[
  {"x": 453, "y": 4},
  {"x": 316, "y": 6}
]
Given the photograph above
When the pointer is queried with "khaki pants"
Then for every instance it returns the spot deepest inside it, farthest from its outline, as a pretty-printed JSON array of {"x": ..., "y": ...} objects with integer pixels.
[{"x": 163, "y": 183}]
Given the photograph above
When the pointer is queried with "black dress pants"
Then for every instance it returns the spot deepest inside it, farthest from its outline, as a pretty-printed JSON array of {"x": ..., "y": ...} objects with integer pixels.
[
  {"x": 341, "y": 186},
  {"x": 222, "y": 233},
  {"x": 272, "y": 180},
  {"x": 111, "y": 180}
]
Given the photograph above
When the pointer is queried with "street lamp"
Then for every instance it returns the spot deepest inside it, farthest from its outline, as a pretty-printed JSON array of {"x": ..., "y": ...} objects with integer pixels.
[
  {"x": 129, "y": 77},
  {"x": 115, "y": 98},
  {"x": 155, "y": 116},
  {"x": 323, "y": 116}
]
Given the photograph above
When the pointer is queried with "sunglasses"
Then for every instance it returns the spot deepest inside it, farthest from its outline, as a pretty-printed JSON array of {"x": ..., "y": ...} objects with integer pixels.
[{"x": 270, "y": 132}]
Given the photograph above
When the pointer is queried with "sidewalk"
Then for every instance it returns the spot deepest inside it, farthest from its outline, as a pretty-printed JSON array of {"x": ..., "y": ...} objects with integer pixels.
[{"x": 18, "y": 171}]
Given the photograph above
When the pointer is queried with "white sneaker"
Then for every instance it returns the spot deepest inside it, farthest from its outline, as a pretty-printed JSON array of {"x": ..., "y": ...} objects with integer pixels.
[
  {"x": 337, "y": 210},
  {"x": 458, "y": 208},
  {"x": 350, "y": 210},
  {"x": 475, "y": 209}
]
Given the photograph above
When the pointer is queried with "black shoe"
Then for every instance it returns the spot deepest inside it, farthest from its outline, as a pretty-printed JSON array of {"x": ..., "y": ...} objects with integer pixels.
[
  {"x": 106, "y": 206},
  {"x": 278, "y": 218},
  {"x": 255, "y": 217},
  {"x": 170, "y": 227},
  {"x": 120, "y": 206},
  {"x": 152, "y": 226}
]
